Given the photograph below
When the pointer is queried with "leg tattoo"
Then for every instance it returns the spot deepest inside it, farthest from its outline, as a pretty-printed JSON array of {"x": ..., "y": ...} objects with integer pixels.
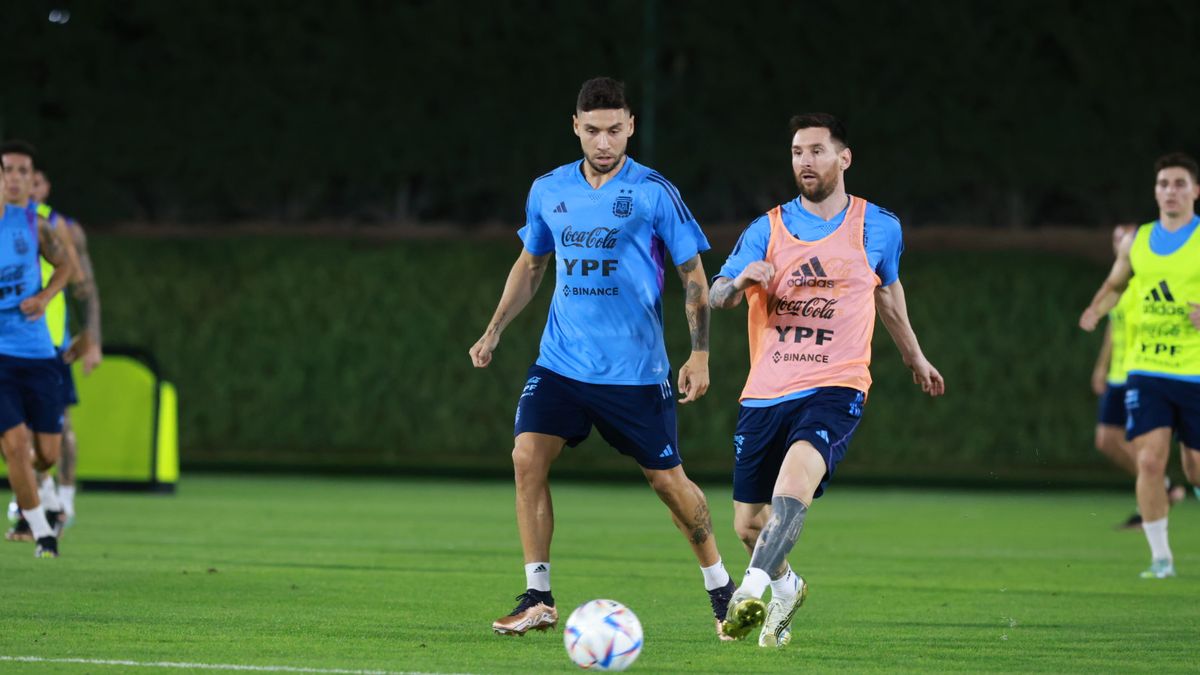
[
  {"x": 701, "y": 525},
  {"x": 779, "y": 535}
]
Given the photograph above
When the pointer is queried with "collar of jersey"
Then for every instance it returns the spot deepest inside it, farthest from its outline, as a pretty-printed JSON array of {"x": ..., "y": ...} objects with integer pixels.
[
  {"x": 620, "y": 174},
  {"x": 1165, "y": 242}
]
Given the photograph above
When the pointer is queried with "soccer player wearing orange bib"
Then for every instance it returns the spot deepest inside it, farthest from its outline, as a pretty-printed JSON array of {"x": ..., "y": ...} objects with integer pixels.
[{"x": 814, "y": 272}]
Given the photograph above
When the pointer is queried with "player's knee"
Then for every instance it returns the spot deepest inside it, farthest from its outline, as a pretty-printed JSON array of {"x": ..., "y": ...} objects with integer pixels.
[
  {"x": 527, "y": 461},
  {"x": 15, "y": 445},
  {"x": 1191, "y": 466},
  {"x": 1149, "y": 462},
  {"x": 658, "y": 482},
  {"x": 45, "y": 459},
  {"x": 747, "y": 530}
]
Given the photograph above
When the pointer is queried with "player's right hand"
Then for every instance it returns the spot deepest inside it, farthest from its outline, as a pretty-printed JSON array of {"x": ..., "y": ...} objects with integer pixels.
[
  {"x": 758, "y": 272},
  {"x": 34, "y": 307},
  {"x": 481, "y": 351},
  {"x": 1099, "y": 382},
  {"x": 1088, "y": 320}
]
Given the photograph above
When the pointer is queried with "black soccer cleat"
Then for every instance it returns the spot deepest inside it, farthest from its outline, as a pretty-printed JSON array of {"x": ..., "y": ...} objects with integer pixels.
[
  {"x": 1133, "y": 522},
  {"x": 719, "y": 599},
  {"x": 56, "y": 520},
  {"x": 20, "y": 531},
  {"x": 47, "y": 547}
]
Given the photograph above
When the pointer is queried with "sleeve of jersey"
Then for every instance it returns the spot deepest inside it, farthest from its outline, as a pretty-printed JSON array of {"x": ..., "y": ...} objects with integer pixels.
[
  {"x": 675, "y": 225},
  {"x": 536, "y": 234},
  {"x": 751, "y": 246},
  {"x": 885, "y": 243}
]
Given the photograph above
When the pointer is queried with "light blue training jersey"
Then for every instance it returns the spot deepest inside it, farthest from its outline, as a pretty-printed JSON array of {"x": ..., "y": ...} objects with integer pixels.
[
  {"x": 20, "y": 278},
  {"x": 606, "y": 322}
]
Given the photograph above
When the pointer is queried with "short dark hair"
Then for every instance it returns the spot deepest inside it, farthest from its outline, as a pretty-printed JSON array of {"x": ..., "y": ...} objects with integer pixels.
[
  {"x": 602, "y": 93},
  {"x": 1181, "y": 160},
  {"x": 19, "y": 147},
  {"x": 837, "y": 130}
]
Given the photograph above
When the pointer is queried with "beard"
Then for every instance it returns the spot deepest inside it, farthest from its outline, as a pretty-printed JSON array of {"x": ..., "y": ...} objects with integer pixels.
[
  {"x": 823, "y": 188},
  {"x": 601, "y": 169}
]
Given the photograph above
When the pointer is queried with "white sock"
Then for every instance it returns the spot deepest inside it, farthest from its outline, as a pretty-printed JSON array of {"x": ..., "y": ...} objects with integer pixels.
[
  {"x": 755, "y": 582},
  {"x": 48, "y": 492},
  {"x": 37, "y": 522},
  {"x": 786, "y": 585},
  {"x": 715, "y": 576},
  {"x": 537, "y": 576},
  {"x": 1156, "y": 535},
  {"x": 66, "y": 495}
]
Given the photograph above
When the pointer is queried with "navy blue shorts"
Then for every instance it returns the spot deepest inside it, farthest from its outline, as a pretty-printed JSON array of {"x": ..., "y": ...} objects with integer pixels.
[
  {"x": 31, "y": 393},
  {"x": 69, "y": 395},
  {"x": 1112, "y": 406},
  {"x": 1154, "y": 402},
  {"x": 827, "y": 419},
  {"x": 637, "y": 420}
]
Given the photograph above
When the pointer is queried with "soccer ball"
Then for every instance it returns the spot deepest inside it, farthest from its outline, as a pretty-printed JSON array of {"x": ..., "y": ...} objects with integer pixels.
[{"x": 603, "y": 635}]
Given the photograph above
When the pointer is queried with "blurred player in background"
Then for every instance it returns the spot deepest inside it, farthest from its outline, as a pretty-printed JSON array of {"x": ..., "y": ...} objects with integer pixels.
[
  {"x": 813, "y": 271},
  {"x": 609, "y": 222},
  {"x": 30, "y": 371},
  {"x": 84, "y": 297},
  {"x": 1160, "y": 267},
  {"x": 1108, "y": 382}
]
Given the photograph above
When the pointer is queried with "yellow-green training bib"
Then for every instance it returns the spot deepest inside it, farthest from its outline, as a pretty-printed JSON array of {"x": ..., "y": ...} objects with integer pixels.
[{"x": 1164, "y": 340}]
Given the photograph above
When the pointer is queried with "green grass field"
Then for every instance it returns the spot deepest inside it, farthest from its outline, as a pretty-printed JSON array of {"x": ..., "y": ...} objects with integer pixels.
[{"x": 401, "y": 576}]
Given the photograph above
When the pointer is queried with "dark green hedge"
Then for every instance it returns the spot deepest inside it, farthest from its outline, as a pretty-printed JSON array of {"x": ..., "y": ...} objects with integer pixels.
[{"x": 336, "y": 353}]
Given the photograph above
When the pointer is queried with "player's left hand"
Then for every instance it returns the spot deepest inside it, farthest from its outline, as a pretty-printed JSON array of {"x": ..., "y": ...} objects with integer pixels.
[
  {"x": 92, "y": 357},
  {"x": 1194, "y": 315},
  {"x": 83, "y": 349},
  {"x": 1089, "y": 319},
  {"x": 928, "y": 377},
  {"x": 34, "y": 306},
  {"x": 693, "y": 377}
]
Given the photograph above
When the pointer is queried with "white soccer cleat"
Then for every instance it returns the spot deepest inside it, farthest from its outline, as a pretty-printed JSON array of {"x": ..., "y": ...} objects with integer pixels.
[
  {"x": 777, "y": 627},
  {"x": 1159, "y": 569}
]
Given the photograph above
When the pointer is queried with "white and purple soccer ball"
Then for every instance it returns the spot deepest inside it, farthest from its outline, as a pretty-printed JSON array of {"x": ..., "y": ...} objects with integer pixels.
[{"x": 603, "y": 635}]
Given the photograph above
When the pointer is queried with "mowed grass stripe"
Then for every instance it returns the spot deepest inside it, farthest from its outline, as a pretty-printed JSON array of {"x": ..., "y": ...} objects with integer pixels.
[{"x": 397, "y": 575}]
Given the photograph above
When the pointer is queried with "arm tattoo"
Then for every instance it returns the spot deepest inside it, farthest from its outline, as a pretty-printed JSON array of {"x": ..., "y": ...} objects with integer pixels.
[
  {"x": 85, "y": 291},
  {"x": 695, "y": 305},
  {"x": 697, "y": 316},
  {"x": 51, "y": 245},
  {"x": 723, "y": 295}
]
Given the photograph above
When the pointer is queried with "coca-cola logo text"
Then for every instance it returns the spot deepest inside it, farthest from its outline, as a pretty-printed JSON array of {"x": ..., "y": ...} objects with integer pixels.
[
  {"x": 817, "y": 308},
  {"x": 598, "y": 237}
]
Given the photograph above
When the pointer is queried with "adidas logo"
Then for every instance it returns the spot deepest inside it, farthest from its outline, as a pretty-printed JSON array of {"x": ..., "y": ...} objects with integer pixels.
[
  {"x": 561, "y": 208},
  {"x": 823, "y": 434},
  {"x": 667, "y": 451},
  {"x": 1154, "y": 296},
  {"x": 539, "y": 569},
  {"x": 812, "y": 268},
  {"x": 810, "y": 274}
]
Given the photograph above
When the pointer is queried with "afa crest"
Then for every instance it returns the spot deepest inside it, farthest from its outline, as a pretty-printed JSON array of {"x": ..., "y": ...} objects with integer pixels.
[
  {"x": 623, "y": 206},
  {"x": 20, "y": 245}
]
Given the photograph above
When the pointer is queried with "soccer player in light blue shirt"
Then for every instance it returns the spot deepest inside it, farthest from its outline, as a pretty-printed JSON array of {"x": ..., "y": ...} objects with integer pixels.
[
  {"x": 610, "y": 223},
  {"x": 30, "y": 379}
]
